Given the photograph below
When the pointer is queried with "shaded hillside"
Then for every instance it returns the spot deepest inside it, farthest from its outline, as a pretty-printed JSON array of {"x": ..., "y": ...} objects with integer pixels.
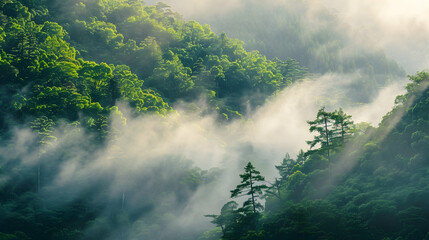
[
  {"x": 73, "y": 167},
  {"x": 312, "y": 34},
  {"x": 372, "y": 186},
  {"x": 68, "y": 71}
]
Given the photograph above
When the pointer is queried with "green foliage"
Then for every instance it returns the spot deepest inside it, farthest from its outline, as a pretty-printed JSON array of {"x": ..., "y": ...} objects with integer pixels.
[
  {"x": 237, "y": 222},
  {"x": 178, "y": 60},
  {"x": 171, "y": 78},
  {"x": 57, "y": 102},
  {"x": 250, "y": 186},
  {"x": 71, "y": 61},
  {"x": 227, "y": 218},
  {"x": 323, "y": 126},
  {"x": 380, "y": 175},
  {"x": 38, "y": 58},
  {"x": 333, "y": 128},
  {"x": 213, "y": 234},
  {"x": 342, "y": 126},
  {"x": 43, "y": 127},
  {"x": 182, "y": 60}
]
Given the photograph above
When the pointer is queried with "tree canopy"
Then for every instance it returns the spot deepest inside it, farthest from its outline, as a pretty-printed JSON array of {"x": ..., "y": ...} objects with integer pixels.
[
  {"x": 66, "y": 69},
  {"x": 373, "y": 187}
]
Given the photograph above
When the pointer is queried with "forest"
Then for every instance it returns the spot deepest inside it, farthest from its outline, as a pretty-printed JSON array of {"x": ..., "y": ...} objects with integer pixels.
[{"x": 121, "y": 119}]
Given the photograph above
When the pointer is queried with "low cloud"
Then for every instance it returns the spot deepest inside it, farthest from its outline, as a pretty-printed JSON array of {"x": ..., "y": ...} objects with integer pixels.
[
  {"x": 400, "y": 28},
  {"x": 147, "y": 166}
]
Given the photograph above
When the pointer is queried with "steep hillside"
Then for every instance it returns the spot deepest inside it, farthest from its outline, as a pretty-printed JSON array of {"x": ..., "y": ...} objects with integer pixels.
[
  {"x": 312, "y": 34},
  {"x": 372, "y": 184},
  {"x": 72, "y": 166},
  {"x": 44, "y": 44},
  {"x": 68, "y": 69}
]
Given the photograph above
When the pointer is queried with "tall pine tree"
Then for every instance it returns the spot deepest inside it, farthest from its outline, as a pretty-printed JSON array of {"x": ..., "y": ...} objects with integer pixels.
[
  {"x": 323, "y": 126},
  {"x": 251, "y": 185},
  {"x": 342, "y": 126}
]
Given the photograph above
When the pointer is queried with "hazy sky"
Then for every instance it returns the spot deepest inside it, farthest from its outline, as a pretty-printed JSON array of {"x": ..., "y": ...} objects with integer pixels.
[{"x": 400, "y": 27}]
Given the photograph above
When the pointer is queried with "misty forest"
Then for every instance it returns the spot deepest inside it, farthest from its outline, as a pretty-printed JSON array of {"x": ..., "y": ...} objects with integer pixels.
[{"x": 214, "y": 119}]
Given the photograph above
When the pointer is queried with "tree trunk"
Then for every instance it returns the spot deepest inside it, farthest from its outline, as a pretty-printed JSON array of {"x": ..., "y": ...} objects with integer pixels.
[
  {"x": 251, "y": 190},
  {"x": 327, "y": 137},
  {"x": 327, "y": 145},
  {"x": 278, "y": 189}
]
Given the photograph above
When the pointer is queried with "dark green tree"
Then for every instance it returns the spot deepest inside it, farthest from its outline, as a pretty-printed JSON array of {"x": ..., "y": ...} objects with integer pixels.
[
  {"x": 285, "y": 168},
  {"x": 251, "y": 185},
  {"x": 228, "y": 216},
  {"x": 323, "y": 125},
  {"x": 300, "y": 158},
  {"x": 275, "y": 188},
  {"x": 342, "y": 126}
]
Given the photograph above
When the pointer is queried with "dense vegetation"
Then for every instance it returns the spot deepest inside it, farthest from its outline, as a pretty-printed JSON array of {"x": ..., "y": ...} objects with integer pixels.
[
  {"x": 146, "y": 56},
  {"x": 356, "y": 183},
  {"x": 65, "y": 66}
]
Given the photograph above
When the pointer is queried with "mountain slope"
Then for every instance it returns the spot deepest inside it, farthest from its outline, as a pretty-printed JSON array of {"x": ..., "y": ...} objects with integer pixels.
[
  {"x": 373, "y": 187},
  {"x": 68, "y": 69},
  {"x": 312, "y": 34}
]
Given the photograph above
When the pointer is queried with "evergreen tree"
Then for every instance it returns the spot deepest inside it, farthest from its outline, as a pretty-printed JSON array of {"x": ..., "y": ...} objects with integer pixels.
[
  {"x": 228, "y": 216},
  {"x": 300, "y": 158},
  {"x": 323, "y": 126},
  {"x": 250, "y": 186},
  {"x": 332, "y": 128},
  {"x": 275, "y": 188},
  {"x": 285, "y": 168},
  {"x": 342, "y": 126}
]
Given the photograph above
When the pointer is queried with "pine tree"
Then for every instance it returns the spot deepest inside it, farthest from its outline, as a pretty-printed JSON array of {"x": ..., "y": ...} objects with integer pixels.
[
  {"x": 275, "y": 188},
  {"x": 300, "y": 158},
  {"x": 285, "y": 168},
  {"x": 342, "y": 126},
  {"x": 251, "y": 185},
  {"x": 333, "y": 128},
  {"x": 323, "y": 126}
]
